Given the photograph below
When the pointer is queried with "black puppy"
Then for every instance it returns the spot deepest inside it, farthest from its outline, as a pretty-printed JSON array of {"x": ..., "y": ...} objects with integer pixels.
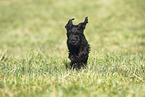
[{"x": 77, "y": 44}]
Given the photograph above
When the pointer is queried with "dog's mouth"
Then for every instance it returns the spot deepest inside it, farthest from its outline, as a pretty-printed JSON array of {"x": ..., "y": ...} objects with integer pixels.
[{"x": 73, "y": 42}]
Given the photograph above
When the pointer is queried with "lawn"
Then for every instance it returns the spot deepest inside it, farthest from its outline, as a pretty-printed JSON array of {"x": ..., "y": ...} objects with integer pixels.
[{"x": 34, "y": 56}]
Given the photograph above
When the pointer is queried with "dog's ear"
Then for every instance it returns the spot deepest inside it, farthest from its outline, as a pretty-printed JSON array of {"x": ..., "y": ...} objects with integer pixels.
[
  {"x": 83, "y": 24},
  {"x": 69, "y": 24}
]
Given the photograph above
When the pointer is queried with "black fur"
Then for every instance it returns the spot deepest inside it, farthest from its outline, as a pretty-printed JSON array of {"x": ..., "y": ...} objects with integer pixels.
[{"x": 77, "y": 44}]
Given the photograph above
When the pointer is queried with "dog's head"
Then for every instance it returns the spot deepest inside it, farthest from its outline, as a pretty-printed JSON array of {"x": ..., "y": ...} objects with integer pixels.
[{"x": 75, "y": 32}]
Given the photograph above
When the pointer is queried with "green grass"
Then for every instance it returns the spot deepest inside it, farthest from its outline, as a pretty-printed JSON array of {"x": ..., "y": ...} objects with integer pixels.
[{"x": 33, "y": 51}]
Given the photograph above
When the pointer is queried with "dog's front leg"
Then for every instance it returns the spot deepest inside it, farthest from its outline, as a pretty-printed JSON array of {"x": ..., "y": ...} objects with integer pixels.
[
  {"x": 83, "y": 57},
  {"x": 74, "y": 60}
]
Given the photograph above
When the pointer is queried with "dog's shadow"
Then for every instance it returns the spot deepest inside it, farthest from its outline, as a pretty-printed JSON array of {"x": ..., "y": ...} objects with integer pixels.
[{"x": 67, "y": 66}]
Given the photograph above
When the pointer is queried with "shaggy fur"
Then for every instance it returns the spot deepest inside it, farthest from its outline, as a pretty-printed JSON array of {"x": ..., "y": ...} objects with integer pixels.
[{"x": 77, "y": 44}]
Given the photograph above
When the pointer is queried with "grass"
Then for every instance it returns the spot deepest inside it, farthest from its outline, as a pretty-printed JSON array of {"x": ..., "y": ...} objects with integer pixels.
[{"x": 33, "y": 52}]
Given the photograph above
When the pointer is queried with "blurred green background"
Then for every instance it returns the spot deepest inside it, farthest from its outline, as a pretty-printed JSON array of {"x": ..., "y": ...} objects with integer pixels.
[
  {"x": 40, "y": 24},
  {"x": 33, "y": 38}
]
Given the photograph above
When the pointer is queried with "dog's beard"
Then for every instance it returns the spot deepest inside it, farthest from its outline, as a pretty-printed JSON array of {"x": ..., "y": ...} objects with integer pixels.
[{"x": 75, "y": 44}]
